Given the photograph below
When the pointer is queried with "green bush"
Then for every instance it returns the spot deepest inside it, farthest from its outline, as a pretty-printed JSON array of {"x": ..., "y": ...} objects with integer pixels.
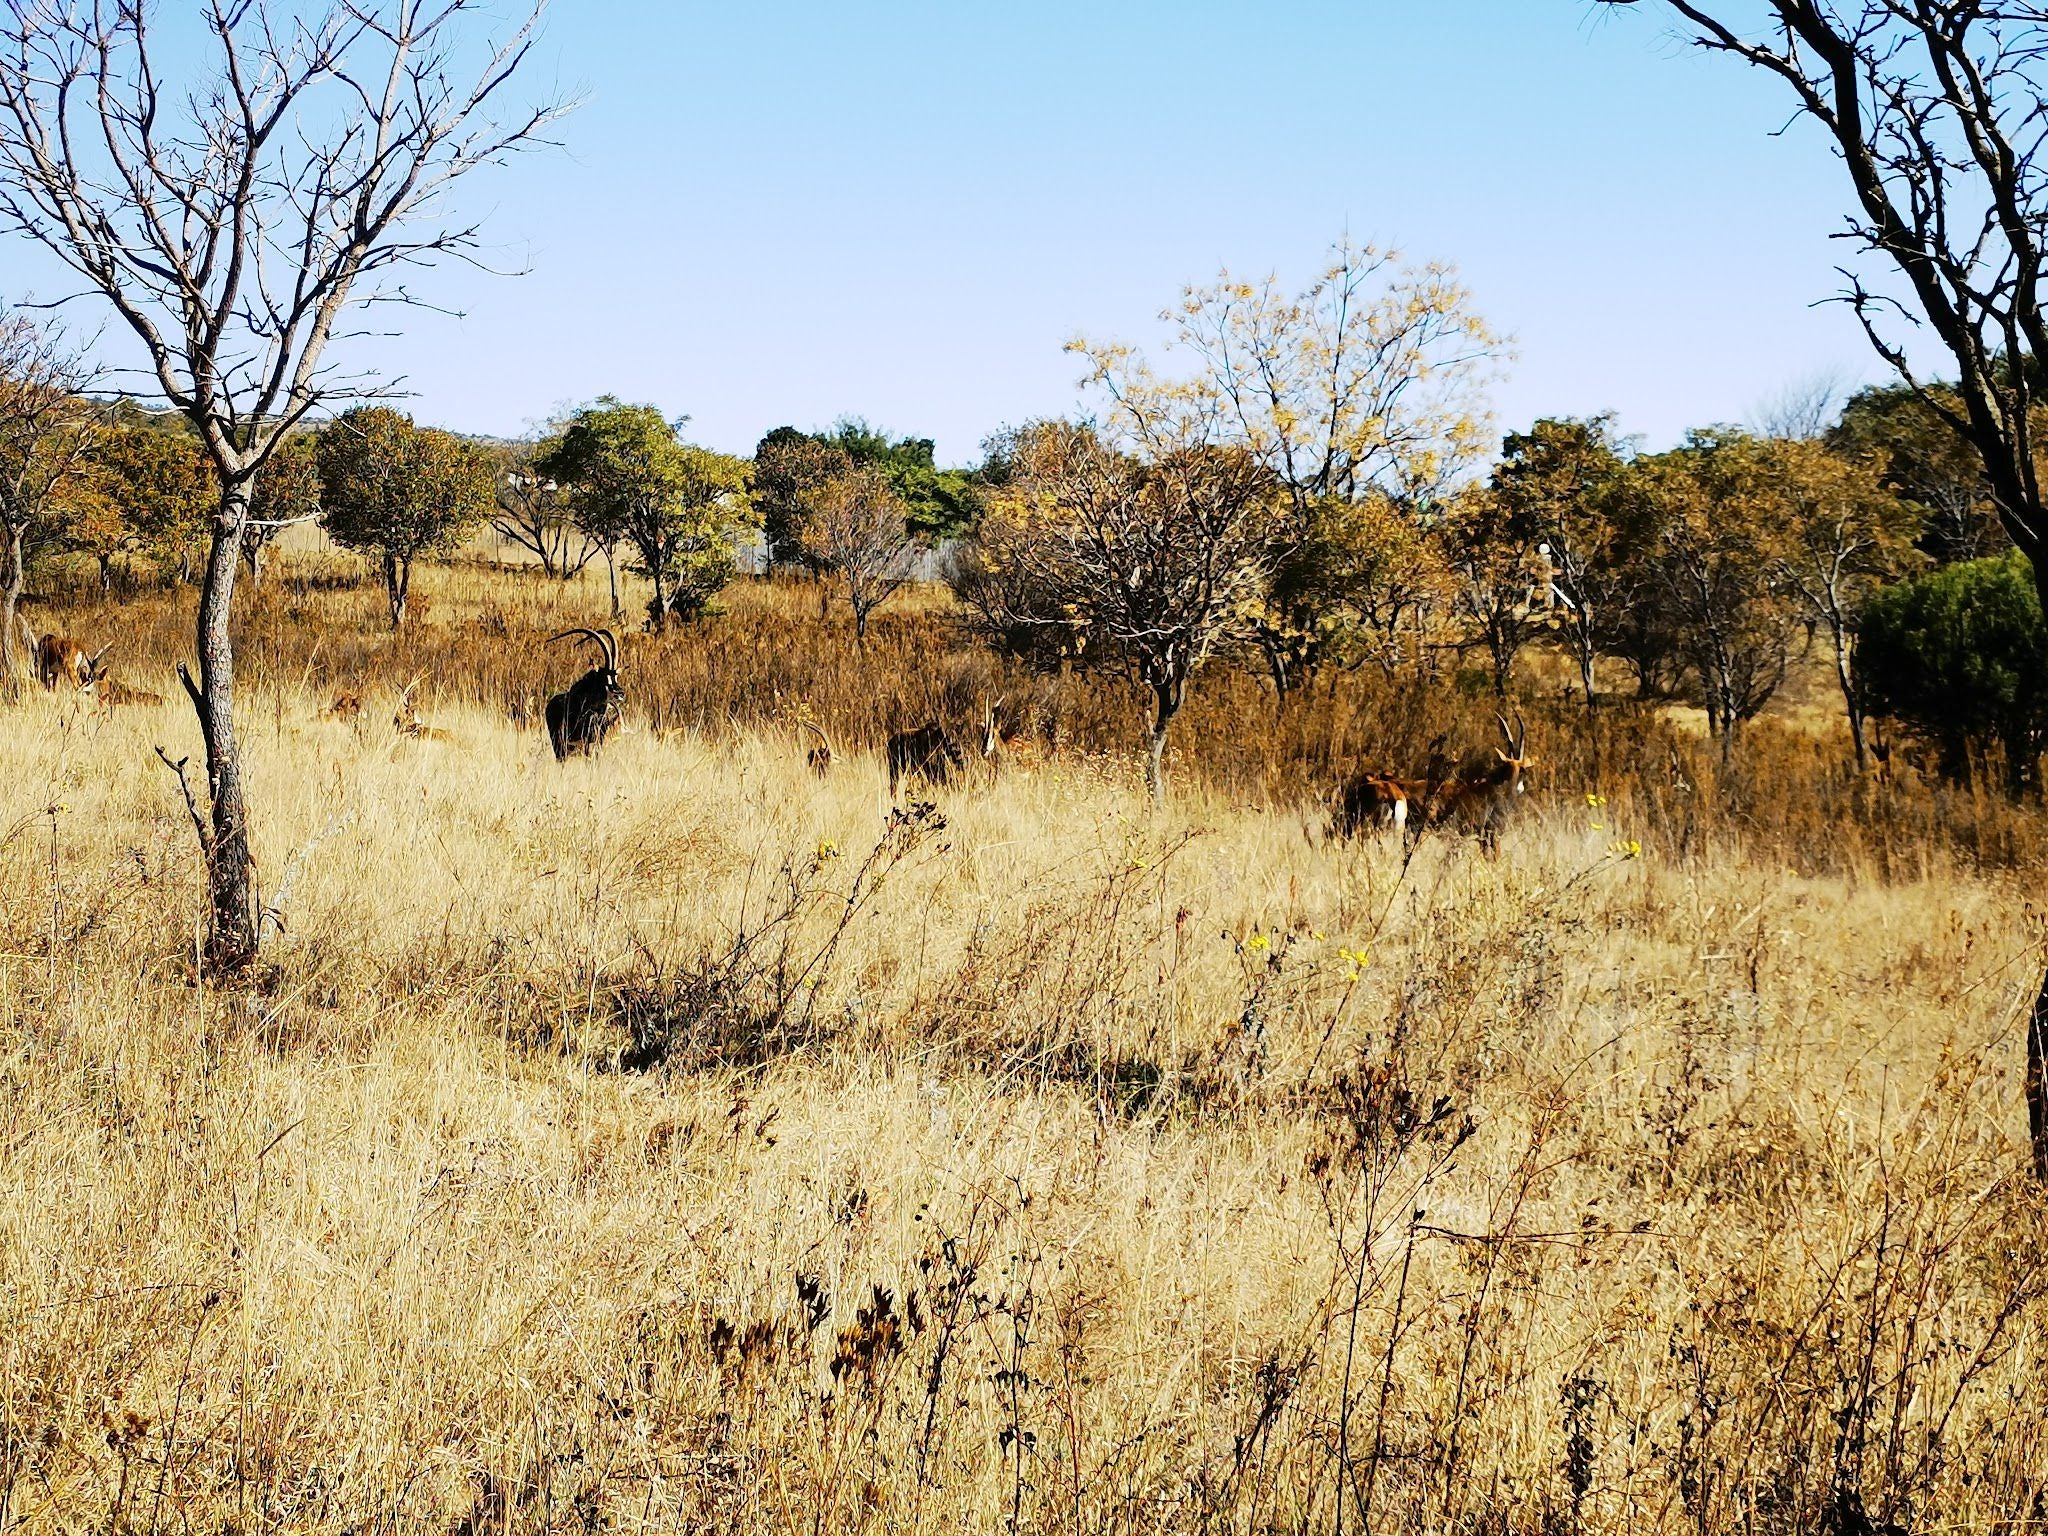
[{"x": 1958, "y": 656}]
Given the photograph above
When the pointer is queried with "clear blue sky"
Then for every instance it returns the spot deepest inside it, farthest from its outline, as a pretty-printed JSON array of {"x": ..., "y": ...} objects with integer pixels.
[{"x": 782, "y": 212}]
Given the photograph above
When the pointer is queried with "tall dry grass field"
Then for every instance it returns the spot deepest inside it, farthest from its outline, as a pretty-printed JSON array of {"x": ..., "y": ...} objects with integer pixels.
[{"x": 676, "y": 1142}]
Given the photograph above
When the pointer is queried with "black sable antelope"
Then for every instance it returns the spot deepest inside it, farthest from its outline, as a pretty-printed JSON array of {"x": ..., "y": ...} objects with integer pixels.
[
  {"x": 580, "y": 716},
  {"x": 931, "y": 754}
]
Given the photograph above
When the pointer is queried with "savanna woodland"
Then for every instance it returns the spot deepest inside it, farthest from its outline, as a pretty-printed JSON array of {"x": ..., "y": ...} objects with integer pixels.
[{"x": 1273, "y": 953}]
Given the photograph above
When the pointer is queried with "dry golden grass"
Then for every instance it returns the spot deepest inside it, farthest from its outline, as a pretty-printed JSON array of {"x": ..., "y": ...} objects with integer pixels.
[{"x": 672, "y": 1142}]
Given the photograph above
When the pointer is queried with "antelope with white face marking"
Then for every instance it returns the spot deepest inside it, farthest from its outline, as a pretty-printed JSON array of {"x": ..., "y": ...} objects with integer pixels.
[
  {"x": 1481, "y": 801},
  {"x": 60, "y": 660},
  {"x": 583, "y": 714}
]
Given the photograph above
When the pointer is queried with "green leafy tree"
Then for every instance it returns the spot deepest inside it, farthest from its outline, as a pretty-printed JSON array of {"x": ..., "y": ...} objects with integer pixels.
[
  {"x": 937, "y": 503},
  {"x": 154, "y": 497},
  {"x": 1555, "y": 486},
  {"x": 1705, "y": 527},
  {"x": 682, "y": 508},
  {"x": 1958, "y": 656},
  {"x": 1923, "y": 461},
  {"x": 287, "y": 491},
  {"x": 399, "y": 491},
  {"x": 791, "y": 468}
]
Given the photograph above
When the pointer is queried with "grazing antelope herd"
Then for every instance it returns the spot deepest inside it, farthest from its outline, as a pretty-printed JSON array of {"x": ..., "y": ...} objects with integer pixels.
[{"x": 1478, "y": 799}]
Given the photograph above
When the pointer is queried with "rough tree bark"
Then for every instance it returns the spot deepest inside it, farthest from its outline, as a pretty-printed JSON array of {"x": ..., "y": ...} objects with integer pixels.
[{"x": 232, "y": 936}]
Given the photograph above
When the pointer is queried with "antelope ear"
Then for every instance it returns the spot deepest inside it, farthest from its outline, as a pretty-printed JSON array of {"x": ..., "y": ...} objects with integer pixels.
[{"x": 1502, "y": 755}]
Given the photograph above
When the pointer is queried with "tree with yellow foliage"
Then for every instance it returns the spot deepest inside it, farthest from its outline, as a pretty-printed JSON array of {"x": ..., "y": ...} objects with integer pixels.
[{"x": 1367, "y": 385}]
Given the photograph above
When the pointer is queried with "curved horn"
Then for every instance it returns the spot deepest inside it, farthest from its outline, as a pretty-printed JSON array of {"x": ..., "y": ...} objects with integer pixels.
[
  {"x": 1521, "y": 733},
  {"x": 815, "y": 731},
  {"x": 604, "y": 643},
  {"x": 1506, "y": 734}
]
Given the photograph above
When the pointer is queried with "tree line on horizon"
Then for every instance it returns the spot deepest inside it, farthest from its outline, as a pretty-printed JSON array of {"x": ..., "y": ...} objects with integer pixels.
[{"x": 1314, "y": 493}]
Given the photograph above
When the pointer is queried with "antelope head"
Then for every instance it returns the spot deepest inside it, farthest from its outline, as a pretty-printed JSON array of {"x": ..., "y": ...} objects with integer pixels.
[
  {"x": 608, "y": 644},
  {"x": 1514, "y": 759}
]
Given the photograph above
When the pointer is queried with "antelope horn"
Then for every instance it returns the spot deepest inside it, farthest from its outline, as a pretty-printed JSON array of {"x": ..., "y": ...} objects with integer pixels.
[
  {"x": 1506, "y": 734},
  {"x": 827, "y": 740},
  {"x": 94, "y": 659},
  {"x": 1521, "y": 733},
  {"x": 604, "y": 643}
]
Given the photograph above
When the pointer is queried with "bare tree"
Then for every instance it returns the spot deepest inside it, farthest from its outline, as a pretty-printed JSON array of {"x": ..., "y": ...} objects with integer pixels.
[
  {"x": 230, "y": 225},
  {"x": 47, "y": 433},
  {"x": 1938, "y": 110},
  {"x": 856, "y": 529},
  {"x": 533, "y": 512},
  {"x": 1805, "y": 409},
  {"x": 1159, "y": 560}
]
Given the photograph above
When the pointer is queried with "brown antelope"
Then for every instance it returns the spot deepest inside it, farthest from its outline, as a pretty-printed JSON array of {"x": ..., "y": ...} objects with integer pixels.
[
  {"x": 346, "y": 706},
  {"x": 1481, "y": 800},
  {"x": 1374, "y": 800},
  {"x": 1019, "y": 746},
  {"x": 62, "y": 660},
  {"x": 407, "y": 721},
  {"x": 114, "y": 693},
  {"x": 1681, "y": 782},
  {"x": 931, "y": 753},
  {"x": 821, "y": 757}
]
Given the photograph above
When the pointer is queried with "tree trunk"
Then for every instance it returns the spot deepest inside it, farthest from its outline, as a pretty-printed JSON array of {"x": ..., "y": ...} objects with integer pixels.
[
  {"x": 2037, "y": 1081},
  {"x": 659, "y": 611},
  {"x": 1166, "y": 703},
  {"x": 106, "y": 573},
  {"x": 611, "y": 569},
  {"x": 12, "y": 681},
  {"x": 860, "y": 625},
  {"x": 230, "y": 865},
  {"x": 395, "y": 573},
  {"x": 1846, "y": 679}
]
